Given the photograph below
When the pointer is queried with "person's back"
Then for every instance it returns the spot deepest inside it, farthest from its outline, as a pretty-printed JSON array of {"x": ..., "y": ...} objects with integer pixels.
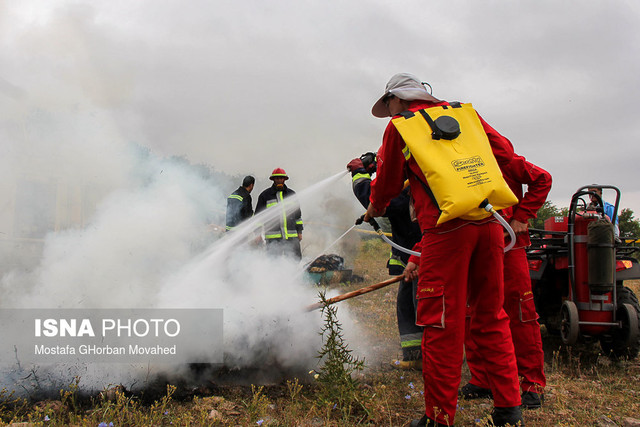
[
  {"x": 239, "y": 204},
  {"x": 460, "y": 262}
]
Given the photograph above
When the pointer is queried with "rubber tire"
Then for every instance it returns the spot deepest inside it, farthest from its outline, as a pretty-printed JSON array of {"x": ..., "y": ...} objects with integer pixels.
[
  {"x": 624, "y": 343},
  {"x": 569, "y": 328}
]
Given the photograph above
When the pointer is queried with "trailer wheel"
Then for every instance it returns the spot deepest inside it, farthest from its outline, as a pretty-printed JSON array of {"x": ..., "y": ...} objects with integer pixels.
[
  {"x": 624, "y": 342},
  {"x": 569, "y": 327}
]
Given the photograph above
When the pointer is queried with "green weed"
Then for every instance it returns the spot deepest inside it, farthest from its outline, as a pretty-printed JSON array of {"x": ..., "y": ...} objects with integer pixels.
[{"x": 338, "y": 390}]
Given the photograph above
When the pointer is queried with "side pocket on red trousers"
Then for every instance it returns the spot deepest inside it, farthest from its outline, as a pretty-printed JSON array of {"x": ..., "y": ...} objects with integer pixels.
[
  {"x": 527, "y": 307},
  {"x": 430, "y": 310}
]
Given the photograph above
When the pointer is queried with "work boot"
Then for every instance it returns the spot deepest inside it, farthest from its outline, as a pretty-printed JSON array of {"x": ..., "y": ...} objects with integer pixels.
[
  {"x": 507, "y": 417},
  {"x": 425, "y": 422},
  {"x": 531, "y": 400},
  {"x": 414, "y": 365},
  {"x": 471, "y": 391}
]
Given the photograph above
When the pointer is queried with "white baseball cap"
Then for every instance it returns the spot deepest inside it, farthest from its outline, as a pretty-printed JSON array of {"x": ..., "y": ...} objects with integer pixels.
[{"x": 405, "y": 86}]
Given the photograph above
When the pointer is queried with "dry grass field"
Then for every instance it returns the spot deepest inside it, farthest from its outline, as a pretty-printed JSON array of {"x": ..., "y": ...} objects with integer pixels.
[{"x": 584, "y": 387}]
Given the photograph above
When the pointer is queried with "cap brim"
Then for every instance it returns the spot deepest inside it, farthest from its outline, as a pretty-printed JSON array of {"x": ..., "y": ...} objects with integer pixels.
[{"x": 380, "y": 109}]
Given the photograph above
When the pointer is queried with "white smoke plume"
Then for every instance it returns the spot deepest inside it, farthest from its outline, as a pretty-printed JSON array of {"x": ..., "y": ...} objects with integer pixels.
[
  {"x": 92, "y": 218},
  {"x": 108, "y": 224}
]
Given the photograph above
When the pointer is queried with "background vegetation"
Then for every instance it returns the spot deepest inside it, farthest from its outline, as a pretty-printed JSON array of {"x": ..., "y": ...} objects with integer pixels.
[{"x": 628, "y": 223}]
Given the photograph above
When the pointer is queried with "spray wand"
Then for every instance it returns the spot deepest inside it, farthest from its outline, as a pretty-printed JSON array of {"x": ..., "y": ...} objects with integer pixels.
[
  {"x": 378, "y": 230},
  {"x": 484, "y": 205}
]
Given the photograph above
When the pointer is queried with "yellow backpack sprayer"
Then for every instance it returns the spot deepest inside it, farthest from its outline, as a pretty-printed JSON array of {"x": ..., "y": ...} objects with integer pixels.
[{"x": 453, "y": 151}]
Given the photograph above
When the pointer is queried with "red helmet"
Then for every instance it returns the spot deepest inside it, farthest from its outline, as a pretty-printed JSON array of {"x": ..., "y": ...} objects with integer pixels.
[{"x": 278, "y": 172}]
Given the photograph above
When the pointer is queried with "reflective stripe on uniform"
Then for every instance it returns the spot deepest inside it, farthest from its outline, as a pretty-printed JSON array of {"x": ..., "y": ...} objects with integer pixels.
[
  {"x": 360, "y": 176},
  {"x": 406, "y": 152},
  {"x": 235, "y": 196},
  {"x": 411, "y": 340},
  {"x": 394, "y": 261},
  {"x": 284, "y": 231},
  {"x": 411, "y": 343},
  {"x": 283, "y": 223}
]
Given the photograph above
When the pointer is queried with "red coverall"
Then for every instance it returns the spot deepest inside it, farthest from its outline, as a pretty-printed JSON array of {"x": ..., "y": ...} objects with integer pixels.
[
  {"x": 518, "y": 296},
  {"x": 461, "y": 261}
]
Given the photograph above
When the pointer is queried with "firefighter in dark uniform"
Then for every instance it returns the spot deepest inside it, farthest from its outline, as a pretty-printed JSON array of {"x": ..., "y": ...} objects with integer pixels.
[
  {"x": 405, "y": 233},
  {"x": 283, "y": 232},
  {"x": 239, "y": 207}
]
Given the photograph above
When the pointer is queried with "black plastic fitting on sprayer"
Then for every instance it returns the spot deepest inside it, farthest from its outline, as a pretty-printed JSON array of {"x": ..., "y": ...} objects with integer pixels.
[
  {"x": 483, "y": 204},
  {"x": 372, "y": 221},
  {"x": 444, "y": 127},
  {"x": 448, "y": 126}
]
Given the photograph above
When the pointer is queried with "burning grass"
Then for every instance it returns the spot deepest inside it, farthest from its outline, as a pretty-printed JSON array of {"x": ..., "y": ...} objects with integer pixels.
[{"x": 584, "y": 387}]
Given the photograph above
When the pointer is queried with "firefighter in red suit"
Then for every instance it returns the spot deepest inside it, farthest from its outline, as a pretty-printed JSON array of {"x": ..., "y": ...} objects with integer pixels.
[
  {"x": 461, "y": 261},
  {"x": 518, "y": 295}
]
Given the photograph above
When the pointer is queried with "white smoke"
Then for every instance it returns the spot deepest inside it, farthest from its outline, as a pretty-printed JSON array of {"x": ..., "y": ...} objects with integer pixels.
[
  {"x": 119, "y": 227},
  {"x": 90, "y": 218}
]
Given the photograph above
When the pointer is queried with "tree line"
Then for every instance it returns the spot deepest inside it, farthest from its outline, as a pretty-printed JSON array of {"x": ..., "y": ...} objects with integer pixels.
[{"x": 629, "y": 225}]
